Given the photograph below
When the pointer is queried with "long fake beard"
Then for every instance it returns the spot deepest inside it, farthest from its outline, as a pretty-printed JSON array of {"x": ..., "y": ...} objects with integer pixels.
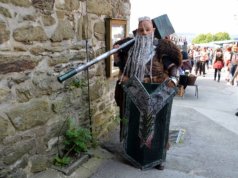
[{"x": 140, "y": 54}]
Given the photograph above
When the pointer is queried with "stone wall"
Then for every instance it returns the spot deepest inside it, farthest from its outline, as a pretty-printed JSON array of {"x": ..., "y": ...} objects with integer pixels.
[{"x": 40, "y": 40}]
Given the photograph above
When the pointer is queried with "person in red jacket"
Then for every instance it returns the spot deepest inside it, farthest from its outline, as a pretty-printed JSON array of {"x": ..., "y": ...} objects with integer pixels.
[{"x": 218, "y": 64}]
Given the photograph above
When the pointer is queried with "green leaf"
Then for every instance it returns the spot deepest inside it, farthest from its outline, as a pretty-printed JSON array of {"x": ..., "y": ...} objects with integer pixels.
[{"x": 62, "y": 161}]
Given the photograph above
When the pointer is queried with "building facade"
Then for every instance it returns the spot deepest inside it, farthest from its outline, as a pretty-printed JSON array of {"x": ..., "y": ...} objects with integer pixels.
[{"x": 40, "y": 40}]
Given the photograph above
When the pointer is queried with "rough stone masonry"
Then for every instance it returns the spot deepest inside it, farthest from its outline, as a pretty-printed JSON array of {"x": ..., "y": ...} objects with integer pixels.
[{"x": 39, "y": 40}]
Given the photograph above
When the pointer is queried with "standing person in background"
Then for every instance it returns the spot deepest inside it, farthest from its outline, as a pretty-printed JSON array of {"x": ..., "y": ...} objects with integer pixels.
[
  {"x": 218, "y": 64},
  {"x": 203, "y": 60},
  {"x": 208, "y": 58},
  {"x": 234, "y": 63},
  {"x": 227, "y": 61},
  {"x": 235, "y": 77},
  {"x": 191, "y": 54},
  {"x": 211, "y": 56},
  {"x": 186, "y": 62},
  {"x": 186, "y": 65},
  {"x": 197, "y": 62}
]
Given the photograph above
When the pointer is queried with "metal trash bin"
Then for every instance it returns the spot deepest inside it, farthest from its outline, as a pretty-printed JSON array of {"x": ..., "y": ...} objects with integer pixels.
[{"x": 148, "y": 110}]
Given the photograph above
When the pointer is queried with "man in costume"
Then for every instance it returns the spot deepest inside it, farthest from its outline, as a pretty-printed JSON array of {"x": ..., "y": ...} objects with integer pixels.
[{"x": 148, "y": 76}]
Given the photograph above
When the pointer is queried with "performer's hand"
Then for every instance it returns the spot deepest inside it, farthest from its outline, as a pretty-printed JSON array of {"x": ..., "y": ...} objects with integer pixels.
[
  {"x": 116, "y": 46},
  {"x": 171, "y": 84},
  {"x": 124, "y": 79}
]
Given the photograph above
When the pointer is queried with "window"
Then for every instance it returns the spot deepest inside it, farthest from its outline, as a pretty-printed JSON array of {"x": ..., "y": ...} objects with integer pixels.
[{"x": 116, "y": 29}]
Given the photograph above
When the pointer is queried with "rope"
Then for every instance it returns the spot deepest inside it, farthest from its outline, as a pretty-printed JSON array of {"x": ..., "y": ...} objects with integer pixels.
[{"x": 87, "y": 56}]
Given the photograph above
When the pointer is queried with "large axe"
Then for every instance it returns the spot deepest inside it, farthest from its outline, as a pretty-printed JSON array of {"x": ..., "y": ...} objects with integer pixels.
[{"x": 163, "y": 28}]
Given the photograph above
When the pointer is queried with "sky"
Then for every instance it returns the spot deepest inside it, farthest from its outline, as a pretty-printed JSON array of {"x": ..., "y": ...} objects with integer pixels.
[{"x": 189, "y": 16}]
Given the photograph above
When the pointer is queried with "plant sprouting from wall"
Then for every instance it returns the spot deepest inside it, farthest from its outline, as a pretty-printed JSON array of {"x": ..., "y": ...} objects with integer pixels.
[
  {"x": 77, "y": 83},
  {"x": 77, "y": 140}
]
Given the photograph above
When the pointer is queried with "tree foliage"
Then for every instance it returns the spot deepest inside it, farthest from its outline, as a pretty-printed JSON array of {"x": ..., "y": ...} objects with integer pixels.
[{"x": 206, "y": 38}]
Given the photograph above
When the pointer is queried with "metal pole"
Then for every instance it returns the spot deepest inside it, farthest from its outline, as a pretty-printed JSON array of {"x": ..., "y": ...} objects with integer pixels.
[{"x": 73, "y": 72}]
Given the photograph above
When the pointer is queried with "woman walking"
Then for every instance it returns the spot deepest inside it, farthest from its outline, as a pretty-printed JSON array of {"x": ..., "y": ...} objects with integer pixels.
[{"x": 218, "y": 64}]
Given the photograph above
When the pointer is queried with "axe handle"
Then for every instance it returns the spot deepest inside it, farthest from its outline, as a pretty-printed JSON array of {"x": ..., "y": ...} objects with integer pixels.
[{"x": 74, "y": 71}]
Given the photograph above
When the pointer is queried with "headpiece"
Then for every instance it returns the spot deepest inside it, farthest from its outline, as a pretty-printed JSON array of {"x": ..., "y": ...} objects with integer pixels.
[{"x": 144, "y": 18}]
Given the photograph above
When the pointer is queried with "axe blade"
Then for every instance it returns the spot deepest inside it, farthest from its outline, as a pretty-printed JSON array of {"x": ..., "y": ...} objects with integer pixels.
[{"x": 163, "y": 26}]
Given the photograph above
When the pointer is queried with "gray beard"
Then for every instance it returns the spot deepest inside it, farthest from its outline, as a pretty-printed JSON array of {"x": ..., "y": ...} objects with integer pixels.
[{"x": 140, "y": 54}]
